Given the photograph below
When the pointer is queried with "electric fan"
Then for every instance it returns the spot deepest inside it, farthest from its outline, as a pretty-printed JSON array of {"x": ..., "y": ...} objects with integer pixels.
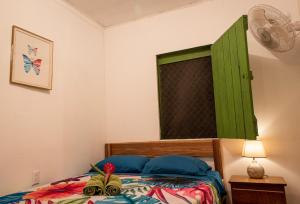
[{"x": 272, "y": 28}]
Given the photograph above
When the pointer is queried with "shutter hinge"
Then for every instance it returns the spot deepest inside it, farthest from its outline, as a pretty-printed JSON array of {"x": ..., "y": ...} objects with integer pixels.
[{"x": 251, "y": 75}]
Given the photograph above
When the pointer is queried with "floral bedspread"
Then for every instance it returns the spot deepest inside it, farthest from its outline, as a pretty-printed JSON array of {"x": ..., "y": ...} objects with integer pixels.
[{"x": 135, "y": 189}]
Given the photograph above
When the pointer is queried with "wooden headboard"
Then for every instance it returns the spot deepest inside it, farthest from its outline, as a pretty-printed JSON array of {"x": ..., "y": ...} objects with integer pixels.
[{"x": 195, "y": 148}]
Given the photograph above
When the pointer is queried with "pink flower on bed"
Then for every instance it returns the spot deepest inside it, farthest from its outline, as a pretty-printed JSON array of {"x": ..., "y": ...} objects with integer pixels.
[
  {"x": 56, "y": 191},
  {"x": 108, "y": 168}
]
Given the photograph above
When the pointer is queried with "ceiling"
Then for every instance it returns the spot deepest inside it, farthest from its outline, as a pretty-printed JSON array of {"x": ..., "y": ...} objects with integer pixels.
[{"x": 112, "y": 12}]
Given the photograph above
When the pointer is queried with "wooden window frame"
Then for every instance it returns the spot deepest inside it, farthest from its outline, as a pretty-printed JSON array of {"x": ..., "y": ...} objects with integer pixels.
[{"x": 177, "y": 56}]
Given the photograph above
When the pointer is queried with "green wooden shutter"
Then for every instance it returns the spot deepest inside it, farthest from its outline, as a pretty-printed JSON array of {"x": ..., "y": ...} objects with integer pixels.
[{"x": 232, "y": 84}]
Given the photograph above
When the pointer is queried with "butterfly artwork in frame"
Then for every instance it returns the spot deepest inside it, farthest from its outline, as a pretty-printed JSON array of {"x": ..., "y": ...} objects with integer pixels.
[{"x": 31, "y": 59}]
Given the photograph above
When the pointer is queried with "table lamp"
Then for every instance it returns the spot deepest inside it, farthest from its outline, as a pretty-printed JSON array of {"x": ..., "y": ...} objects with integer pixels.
[{"x": 254, "y": 149}]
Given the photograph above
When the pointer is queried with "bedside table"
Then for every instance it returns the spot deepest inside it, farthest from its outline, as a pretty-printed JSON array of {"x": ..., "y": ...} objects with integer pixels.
[{"x": 269, "y": 190}]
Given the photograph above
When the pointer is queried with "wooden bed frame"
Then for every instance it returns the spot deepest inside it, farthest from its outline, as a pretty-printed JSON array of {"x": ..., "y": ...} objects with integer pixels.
[{"x": 196, "y": 148}]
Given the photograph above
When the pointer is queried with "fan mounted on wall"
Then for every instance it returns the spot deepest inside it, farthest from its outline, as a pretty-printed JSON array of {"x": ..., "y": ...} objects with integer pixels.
[{"x": 272, "y": 28}]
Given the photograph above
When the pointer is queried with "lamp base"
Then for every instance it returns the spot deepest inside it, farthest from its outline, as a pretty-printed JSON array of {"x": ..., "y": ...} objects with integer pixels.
[{"x": 255, "y": 170}]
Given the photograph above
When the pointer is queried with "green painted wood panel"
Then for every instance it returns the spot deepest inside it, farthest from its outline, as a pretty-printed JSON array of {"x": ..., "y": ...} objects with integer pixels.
[
  {"x": 184, "y": 55},
  {"x": 223, "y": 97},
  {"x": 217, "y": 86},
  {"x": 235, "y": 71},
  {"x": 232, "y": 84},
  {"x": 246, "y": 76}
]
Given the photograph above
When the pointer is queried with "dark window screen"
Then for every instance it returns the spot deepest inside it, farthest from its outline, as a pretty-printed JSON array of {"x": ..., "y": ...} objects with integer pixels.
[{"x": 186, "y": 99}]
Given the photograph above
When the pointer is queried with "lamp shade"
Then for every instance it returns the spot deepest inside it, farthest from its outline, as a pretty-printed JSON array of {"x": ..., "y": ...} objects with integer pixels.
[{"x": 253, "y": 149}]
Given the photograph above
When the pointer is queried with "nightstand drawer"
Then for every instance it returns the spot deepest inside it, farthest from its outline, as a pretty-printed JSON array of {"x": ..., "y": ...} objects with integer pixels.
[
  {"x": 269, "y": 190},
  {"x": 252, "y": 196}
]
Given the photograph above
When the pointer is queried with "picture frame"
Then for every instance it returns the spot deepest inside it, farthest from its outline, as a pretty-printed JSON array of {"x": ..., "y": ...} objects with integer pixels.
[{"x": 31, "y": 59}]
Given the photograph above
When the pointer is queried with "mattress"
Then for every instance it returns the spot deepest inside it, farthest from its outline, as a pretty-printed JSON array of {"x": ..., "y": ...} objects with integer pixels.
[{"x": 136, "y": 188}]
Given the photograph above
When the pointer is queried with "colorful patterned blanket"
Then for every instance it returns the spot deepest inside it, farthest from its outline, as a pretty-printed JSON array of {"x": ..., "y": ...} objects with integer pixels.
[{"x": 135, "y": 189}]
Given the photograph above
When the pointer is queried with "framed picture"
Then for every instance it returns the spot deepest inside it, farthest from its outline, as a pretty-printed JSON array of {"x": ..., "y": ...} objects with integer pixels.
[{"x": 31, "y": 59}]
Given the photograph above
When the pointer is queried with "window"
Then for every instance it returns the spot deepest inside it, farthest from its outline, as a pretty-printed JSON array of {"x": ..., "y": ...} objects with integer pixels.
[{"x": 186, "y": 94}]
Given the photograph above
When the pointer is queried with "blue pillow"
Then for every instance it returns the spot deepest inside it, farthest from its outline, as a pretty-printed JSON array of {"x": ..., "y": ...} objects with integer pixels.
[
  {"x": 174, "y": 164},
  {"x": 125, "y": 163}
]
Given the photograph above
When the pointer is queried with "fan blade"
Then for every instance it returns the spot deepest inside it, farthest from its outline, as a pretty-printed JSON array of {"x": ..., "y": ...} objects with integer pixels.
[
  {"x": 281, "y": 35},
  {"x": 258, "y": 17},
  {"x": 268, "y": 38},
  {"x": 297, "y": 25}
]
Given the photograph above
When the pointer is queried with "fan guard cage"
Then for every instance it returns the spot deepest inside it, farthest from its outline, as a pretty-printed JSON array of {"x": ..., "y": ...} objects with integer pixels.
[{"x": 271, "y": 28}]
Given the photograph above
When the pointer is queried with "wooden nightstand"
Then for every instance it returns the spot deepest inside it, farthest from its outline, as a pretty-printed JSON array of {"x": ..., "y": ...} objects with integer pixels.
[{"x": 269, "y": 190}]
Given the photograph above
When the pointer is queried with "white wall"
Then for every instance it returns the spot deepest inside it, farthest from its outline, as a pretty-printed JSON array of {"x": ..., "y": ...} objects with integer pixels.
[
  {"x": 58, "y": 132},
  {"x": 131, "y": 82}
]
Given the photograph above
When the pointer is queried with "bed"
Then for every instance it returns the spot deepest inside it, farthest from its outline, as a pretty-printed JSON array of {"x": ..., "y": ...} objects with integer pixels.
[{"x": 141, "y": 188}]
